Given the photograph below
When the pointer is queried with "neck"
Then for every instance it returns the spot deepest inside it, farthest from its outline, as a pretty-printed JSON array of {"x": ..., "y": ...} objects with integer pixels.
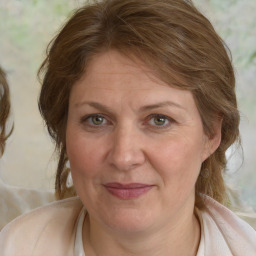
[{"x": 179, "y": 239}]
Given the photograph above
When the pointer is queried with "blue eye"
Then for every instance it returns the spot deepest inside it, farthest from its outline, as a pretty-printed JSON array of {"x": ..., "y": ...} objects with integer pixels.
[
  {"x": 96, "y": 120},
  {"x": 159, "y": 120}
]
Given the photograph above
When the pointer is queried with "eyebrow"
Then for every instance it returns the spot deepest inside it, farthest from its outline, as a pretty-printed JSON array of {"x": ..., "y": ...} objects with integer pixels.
[
  {"x": 145, "y": 108},
  {"x": 161, "y": 105},
  {"x": 93, "y": 104}
]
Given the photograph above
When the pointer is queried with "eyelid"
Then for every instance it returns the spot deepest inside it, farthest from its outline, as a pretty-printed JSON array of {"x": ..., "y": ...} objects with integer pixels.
[
  {"x": 155, "y": 115},
  {"x": 85, "y": 119}
]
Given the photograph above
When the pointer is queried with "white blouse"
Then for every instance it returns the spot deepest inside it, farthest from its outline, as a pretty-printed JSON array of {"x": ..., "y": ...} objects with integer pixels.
[
  {"x": 222, "y": 232},
  {"x": 79, "y": 248}
]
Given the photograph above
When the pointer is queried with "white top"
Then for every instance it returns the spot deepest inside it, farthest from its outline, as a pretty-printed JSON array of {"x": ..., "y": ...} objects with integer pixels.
[
  {"x": 222, "y": 232},
  {"x": 56, "y": 230},
  {"x": 79, "y": 248}
]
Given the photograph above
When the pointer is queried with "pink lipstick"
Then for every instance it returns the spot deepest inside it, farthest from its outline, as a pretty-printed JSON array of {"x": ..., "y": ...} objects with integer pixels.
[{"x": 127, "y": 191}]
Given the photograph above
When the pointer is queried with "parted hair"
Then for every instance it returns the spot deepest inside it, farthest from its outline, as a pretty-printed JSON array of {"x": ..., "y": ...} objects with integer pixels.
[
  {"x": 4, "y": 110},
  {"x": 175, "y": 40}
]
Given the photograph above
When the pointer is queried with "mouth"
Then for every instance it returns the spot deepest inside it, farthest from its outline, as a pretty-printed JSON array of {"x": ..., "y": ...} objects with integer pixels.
[{"x": 127, "y": 191}]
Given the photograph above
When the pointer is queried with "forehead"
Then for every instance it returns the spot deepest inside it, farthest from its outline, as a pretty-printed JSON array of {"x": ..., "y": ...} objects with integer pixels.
[
  {"x": 114, "y": 65},
  {"x": 112, "y": 77}
]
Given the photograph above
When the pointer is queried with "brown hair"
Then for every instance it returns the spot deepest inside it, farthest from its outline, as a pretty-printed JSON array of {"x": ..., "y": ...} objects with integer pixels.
[
  {"x": 4, "y": 110},
  {"x": 171, "y": 36}
]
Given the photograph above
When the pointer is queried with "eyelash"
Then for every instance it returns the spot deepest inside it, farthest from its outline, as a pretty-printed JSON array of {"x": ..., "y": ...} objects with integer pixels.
[
  {"x": 87, "y": 120},
  {"x": 160, "y": 116}
]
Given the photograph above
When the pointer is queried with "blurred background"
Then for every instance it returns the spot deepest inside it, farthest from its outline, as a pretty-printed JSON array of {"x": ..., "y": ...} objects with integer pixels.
[{"x": 27, "y": 26}]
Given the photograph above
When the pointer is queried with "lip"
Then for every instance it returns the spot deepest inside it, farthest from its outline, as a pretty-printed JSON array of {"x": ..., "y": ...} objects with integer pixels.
[{"x": 127, "y": 191}]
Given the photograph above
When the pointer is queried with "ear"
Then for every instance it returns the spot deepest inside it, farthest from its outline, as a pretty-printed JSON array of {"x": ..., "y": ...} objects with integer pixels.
[{"x": 212, "y": 141}]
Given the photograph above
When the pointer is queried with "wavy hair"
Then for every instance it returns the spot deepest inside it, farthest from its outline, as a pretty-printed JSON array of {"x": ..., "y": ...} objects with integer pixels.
[{"x": 4, "y": 110}]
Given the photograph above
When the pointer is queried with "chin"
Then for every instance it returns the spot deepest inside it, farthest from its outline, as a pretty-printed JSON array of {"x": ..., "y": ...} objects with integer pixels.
[{"x": 129, "y": 221}]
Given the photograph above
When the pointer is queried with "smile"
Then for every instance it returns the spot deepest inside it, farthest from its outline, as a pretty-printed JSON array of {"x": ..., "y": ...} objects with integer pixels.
[{"x": 127, "y": 191}]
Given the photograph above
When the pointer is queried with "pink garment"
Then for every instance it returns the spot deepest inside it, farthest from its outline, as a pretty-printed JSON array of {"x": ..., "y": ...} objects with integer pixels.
[
  {"x": 53, "y": 231},
  {"x": 46, "y": 231},
  {"x": 223, "y": 233}
]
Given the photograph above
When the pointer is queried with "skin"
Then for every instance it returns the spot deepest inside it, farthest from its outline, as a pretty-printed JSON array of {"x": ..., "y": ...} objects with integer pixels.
[{"x": 127, "y": 126}]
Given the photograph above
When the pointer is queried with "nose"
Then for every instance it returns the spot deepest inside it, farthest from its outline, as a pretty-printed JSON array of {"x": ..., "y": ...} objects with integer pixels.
[{"x": 126, "y": 151}]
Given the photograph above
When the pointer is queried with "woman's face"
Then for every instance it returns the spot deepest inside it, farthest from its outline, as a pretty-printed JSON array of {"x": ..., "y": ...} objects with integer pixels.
[{"x": 135, "y": 145}]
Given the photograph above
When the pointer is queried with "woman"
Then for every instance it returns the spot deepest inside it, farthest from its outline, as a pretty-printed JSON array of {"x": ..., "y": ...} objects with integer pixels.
[{"x": 139, "y": 97}]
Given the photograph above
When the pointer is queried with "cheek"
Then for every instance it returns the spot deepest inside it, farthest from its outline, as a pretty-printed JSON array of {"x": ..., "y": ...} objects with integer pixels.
[
  {"x": 178, "y": 167},
  {"x": 178, "y": 162},
  {"x": 85, "y": 158},
  {"x": 84, "y": 155},
  {"x": 178, "y": 154}
]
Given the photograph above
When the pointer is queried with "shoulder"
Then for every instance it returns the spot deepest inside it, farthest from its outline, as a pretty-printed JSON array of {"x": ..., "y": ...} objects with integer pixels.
[
  {"x": 224, "y": 225},
  {"x": 15, "y": 201},
  {"x": 48, "y": 227}
]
